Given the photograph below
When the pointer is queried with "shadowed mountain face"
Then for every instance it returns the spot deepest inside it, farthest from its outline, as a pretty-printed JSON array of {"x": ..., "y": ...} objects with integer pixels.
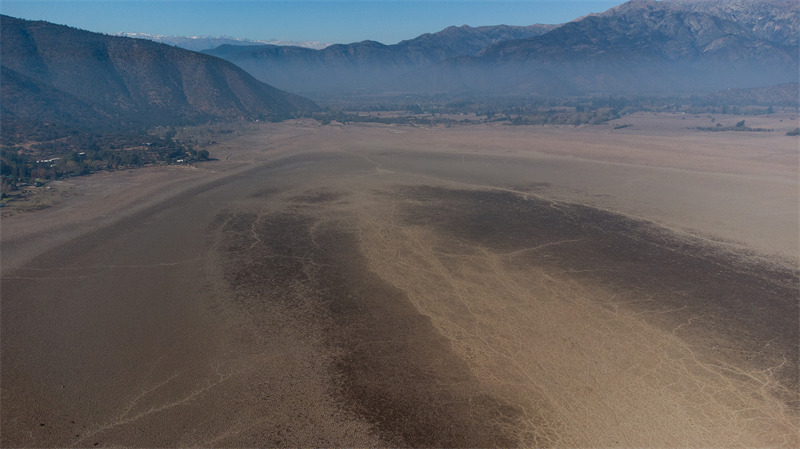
[
  {"x": 643, "y": 46},
  {"x": 81, "y": 78},
  {"x": 366, "y": 65}
]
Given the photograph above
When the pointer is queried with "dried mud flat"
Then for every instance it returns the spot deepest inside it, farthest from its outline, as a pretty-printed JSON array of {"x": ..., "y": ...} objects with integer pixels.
[{"x": 395, "y": 286}]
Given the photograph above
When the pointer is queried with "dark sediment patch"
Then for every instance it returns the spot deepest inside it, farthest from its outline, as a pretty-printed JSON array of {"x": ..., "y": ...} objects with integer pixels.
[
  {"x": 738, "y": 308},
  {"x": 317, "y": 196},
  {"x": 390, "y": 364},
  {"x": 397, "y": 369},
  {"x": 264, "y": 193},
  {"x": 533, "y": 187}
]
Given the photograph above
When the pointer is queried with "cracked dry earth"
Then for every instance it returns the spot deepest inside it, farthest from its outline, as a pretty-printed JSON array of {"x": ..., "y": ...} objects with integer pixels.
[{"x": 330, "y": 299}]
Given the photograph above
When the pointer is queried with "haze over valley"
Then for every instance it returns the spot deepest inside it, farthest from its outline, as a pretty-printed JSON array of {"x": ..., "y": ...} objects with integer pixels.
[
  {"x": 639, "y": 47},
  {"x": 550, "y": 235}
]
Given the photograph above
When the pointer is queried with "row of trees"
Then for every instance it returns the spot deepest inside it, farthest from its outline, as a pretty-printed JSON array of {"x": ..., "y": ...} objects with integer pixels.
[
  {"x": 533, "y": 110},
  {"x": 740, "y": 126}
]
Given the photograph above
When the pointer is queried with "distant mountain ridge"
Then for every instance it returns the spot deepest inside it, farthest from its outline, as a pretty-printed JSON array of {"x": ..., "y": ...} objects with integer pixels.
[
  {"x": 200, "y": 43},
  {"x": 645, "y": 28},
  {"x": 640, "y": 47},
  {"x": 366, "y": 64},
  {"x": 771, "y": 20},
  {"x": 79, "y": 78},
  {"x": 649, "y": 46}
]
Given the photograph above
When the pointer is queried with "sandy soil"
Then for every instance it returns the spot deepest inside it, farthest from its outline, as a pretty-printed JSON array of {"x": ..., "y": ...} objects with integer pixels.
[{"x": 397, "y": 286}]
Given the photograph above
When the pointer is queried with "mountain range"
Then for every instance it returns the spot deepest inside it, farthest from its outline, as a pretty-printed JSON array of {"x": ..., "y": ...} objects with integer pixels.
[
  {"x": 646, "y": 46},
  {"x": 61, "y": 78},
  {"x": 639, "y": 47},
  {"x": 54, "y": 75},
  {"x": 200, "y": 43},
  {"x": 774, "y": 21},
  {"x": 366, "y": 65}
]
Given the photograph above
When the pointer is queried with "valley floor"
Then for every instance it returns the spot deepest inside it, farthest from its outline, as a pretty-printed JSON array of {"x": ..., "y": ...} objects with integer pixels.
[{"x": 397, "y": 286}]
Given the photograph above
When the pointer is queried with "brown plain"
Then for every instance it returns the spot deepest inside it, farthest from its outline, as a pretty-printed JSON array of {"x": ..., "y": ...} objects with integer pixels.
[{"x": 373, "y": 285}]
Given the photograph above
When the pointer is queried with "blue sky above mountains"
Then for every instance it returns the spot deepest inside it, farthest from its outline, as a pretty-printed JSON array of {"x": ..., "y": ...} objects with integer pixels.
[{"x": 334, "y": 21}]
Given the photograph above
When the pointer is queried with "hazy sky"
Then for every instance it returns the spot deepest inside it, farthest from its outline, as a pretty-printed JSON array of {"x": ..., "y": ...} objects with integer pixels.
[{"x": 334, "y": 21}]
